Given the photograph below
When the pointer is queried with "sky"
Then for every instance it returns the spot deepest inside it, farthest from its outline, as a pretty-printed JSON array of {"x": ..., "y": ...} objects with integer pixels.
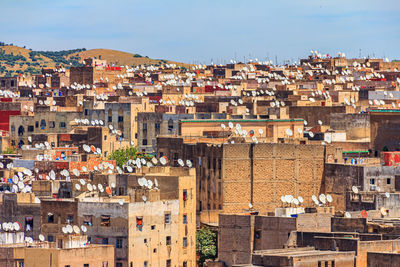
[{"x": 206, "y": 31}]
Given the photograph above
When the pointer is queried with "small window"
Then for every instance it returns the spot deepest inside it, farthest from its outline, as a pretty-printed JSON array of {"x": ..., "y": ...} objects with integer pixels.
[
  {"x": 29, "y": 223},
  {"x": 184, "y": 194},
  {"x": 105, "y": 137},
  {"x": 168, "y": 263},
  {"x": 86, "y": 265},
  {"x": 118, "y": 243},
  {"x": 144, "y": 142},
  {"x": 50, "y": 238},
  {"x": 62, "y": 124},
  {"x": 168, "y": 240},
  {"x": 153, "y": 227},
  {"x": 12, "y": 128},
  {"x": 36, "y": 124},
  {"x": 388, "y": 181},
  {"x": 167, "y": 218},
  {"x": 144, "y": 126},
  {"x": 105, "y": 241},
  {"x": 70, "y": 218},
  {"x": 31, "y": 128},
  {"x": 185, "y": 242},
  {"x": 120, "y": 118},
  {"x": 145, "y": 264},
  {"x": 157, "y": 125},
  {"x": 109, "y": 118},
  {"x": 50, "y": 217},
  {"x": 42, "y": 124},
  {"x": 139, "y": 223},
  {"x": 184, "y": 264},
  {"x": 87, "y": 220},
  {"x": 371, "y": 181},
  {"x": 154, "y": 250},
  {"x": 52, "y": 124},
  {"x": 145, "y": 240},
  {"x": 105, "y": 220},
  {"x": 86, "y": 112},
  {"x": 105, "y": 264},
  {"x": 184, "y": 219}
]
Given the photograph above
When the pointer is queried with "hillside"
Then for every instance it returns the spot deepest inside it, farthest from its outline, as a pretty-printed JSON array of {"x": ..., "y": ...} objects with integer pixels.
[
  {"x": 16, "y": 60},
  {"x": 122, "y": 58}
]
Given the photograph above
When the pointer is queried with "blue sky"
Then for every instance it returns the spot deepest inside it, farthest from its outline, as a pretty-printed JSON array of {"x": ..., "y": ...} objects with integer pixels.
[{"x": 204, "y": 30}]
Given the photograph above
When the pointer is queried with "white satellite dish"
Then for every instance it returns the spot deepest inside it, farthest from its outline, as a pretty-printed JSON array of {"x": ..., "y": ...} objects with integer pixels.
[
  {"x": 41, "y": 237},
  {"x": 289, "y": 132},
  {"x": 89, "y": 187},
  {"x": 121, "y": 202},
  {"x": 301, "y": 200},
  {"x": 283, "y": 199},
  {"x": 347, "y": 214},
  {"x": 82, "y": 182},
  {"x": 76, "y": 229},
  {"x": 383, "y": 211},
  {"x": 329, "y": 198},
  {"x": 78, "y": 187},
  {"x": 83, "y": 228},
  {"x": 354, "y": 189},
  {"x": 387, "y": 194},
  {"x": 144, "y": 198}
]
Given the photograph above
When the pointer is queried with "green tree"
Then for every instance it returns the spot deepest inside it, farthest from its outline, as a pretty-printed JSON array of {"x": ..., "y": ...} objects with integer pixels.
[
  {"x": 206, "y": 244},
  {"x": 121, "y": 156}
]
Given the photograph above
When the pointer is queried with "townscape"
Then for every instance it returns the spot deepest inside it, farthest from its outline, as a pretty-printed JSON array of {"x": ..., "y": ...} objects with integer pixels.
[{"x": 250, "y": 163}]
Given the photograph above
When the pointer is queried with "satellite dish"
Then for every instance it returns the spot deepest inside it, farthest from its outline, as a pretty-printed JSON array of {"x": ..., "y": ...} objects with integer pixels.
[
  {"x": 69, "y": 228},
  {"x": 260, "y": 131},
  {"x": 82, "y": 182},
  {"x": 383, "y": 211},
  {"x": 76, "y": 229},
  {"x": 112, "y": 185},
  {"x": 144, "y": 198},
  {"x": 163, "y": 160},
  {"x": 41, "y": 237},
  {"x": 64, "y": 230},
  {"x": 387, "y": 194},
  {"x": 16, "y": 226},
  {"x": 223, "y": 126},
  {"x": 283, "y": 199},
  {"x": 354, "y": 189},
  {"x": 347, "y": 214},
  {"x": 83, "y": 228},
  {"x": 319, "y": 122},
  {"x": 121, "y": 202},
  {"x": 314, "y": 198},
  {"x": 89, "y": 187},
  {"x": 296, "y": 201},
  {"x": 250, "y": 206},
  {"x": 78, "y": 187},
  {"x": 329, "y": 198},
  {"x": 289, "y": 132},
  {"x": 180, "y": 162}
]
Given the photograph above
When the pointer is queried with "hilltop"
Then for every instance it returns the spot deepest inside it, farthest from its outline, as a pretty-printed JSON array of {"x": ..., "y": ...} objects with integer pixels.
[{"x": 16, "y": 60}]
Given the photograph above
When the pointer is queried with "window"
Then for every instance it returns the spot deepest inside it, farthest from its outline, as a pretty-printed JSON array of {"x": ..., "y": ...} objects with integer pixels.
[
  {"x": 67, "y": 265},
  {"x": 12, "y": 128},
  {"x": 120, "y": 118},
  {"x": 153, "y": 227},
  {"x": 139, "y": 223},
  {"x": 105, "y": 220},
  {"x": 105, "y": 241},
  {"x": 105, "y": 137},
  {"x": 184, "y": 194},
  {"x": 86, "y": 265},
  {"x": 70, "y": 218},
  {"x": 30, "y": 128},
  {"x": 118, "y": 243},
  {"x": 50, "y": 217},
  {"x": 86, "y": 112},
  {"x": 109, "y": 118},
  {"x": 145, "y": 240},
  {"x": 21, "y": 264},
  {"x": 29, "y": 223},
  {"x": 388, "y": 180},
  {"x": 42, "y": 124},
  {"x": 50, "y": 238},
  {"x": 144, "y": 142},
  {"x": 36, "y": 124},
  {"x": 144, "y": 127},
  {"x": 154, "y": 250},
  {"x": 371, "y": 181},
  {"x": 52, "y": 124},
  {"x": 184, "y": 218},
  {"x": 185, "y": 242},
  {"x": 119, "y": 264},
  {"x": 168, "y": 263},
  {"x": 145, "y": 264},
  {"x": 157, "y": 125},
  {"x": 87, "y": 220},
  {"x": 184, "y": 264},
  {"x": 168, "y": 240},
  {"x": 105, "y": 264},
  {"x": 62, "y": 124},
  {"x": 167, "y": 218}
]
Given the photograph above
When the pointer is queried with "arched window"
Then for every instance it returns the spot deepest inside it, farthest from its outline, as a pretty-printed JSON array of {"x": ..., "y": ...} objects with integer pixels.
[
  {"x": 109, "y": 115},
  {"x": 42, "y": 124},
  {"x": 21, "y": 130}
]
